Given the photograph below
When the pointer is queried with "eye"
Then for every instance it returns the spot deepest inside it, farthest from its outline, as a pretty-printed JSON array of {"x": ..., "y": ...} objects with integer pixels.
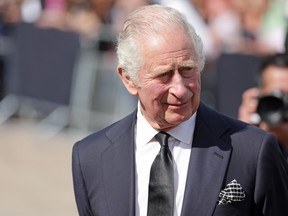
[
  {"x": 165, "y": 76},
  {"x": 187, "y": 72}
]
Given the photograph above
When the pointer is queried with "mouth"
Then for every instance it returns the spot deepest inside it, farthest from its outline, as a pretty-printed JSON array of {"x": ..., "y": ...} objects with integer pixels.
[{"x": 178, "y": 105}]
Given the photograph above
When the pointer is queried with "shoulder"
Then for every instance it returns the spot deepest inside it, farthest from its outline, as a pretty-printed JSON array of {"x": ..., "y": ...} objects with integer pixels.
[
  {"x": 233, "y": 131},
  {"x": 102, "y": 139},
  {"x": 219, "y": 121}
]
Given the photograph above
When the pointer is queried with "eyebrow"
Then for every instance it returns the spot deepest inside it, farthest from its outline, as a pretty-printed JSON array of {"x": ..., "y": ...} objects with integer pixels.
[
  {"x": 167, "y": 67},
  {"x": 189, "y": 63}
]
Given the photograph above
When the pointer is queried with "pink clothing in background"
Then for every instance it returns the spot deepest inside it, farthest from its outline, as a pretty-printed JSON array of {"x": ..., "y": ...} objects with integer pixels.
[{"x": 55, "y": 4}]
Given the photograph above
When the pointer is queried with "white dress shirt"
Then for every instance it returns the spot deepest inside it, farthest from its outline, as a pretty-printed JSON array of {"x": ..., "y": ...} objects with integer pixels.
[{"x": 146, "y": 150}]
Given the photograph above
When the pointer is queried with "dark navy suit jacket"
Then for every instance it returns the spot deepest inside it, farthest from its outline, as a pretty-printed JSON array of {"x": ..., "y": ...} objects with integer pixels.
[{"x": 223, "y": 149}]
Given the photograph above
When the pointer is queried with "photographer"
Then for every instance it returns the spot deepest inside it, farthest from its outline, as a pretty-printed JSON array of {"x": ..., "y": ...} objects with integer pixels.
[{"x": 267, "y": 105}]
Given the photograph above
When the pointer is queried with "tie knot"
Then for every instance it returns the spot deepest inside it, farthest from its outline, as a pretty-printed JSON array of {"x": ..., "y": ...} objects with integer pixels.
[{"x": 162, "y": 138}]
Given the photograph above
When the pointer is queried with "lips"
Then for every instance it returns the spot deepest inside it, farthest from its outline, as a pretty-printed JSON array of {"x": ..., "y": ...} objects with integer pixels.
[{"x": 179, "y": 105}]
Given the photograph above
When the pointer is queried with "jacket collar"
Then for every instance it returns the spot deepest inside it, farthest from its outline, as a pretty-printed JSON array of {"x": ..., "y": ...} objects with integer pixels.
[{"x": 208, "y": 163}]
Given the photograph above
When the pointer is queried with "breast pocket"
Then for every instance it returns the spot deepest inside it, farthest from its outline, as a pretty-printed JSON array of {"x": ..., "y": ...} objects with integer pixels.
[{"x": 231, "y": 210}]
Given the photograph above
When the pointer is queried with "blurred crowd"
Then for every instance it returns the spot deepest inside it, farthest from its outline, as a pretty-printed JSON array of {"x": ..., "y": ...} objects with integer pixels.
[
  {"x": 82, "y": 16},
  {"x": 257, "y": 27},
  {"x": 243, "y": 26}
]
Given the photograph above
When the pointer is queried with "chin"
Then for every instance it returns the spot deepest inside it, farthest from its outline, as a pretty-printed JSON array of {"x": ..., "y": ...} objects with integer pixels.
[
  {"x": 181, "y": 114},
  {"x": 178, "y": 119}
]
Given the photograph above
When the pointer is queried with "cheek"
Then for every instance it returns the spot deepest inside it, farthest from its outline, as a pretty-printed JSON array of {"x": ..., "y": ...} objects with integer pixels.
[
  {"x": 155, "y": 90},
  {"x": 152, "y": 94},
  {"x": 194, "y": 85}
]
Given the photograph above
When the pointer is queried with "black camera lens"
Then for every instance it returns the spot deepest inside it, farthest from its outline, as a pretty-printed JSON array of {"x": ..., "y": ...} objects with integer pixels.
[{"x": 272, "y": 108}]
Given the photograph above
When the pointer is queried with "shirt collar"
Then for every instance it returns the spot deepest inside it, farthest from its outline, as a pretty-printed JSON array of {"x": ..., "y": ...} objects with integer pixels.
[
  {"x": 183, "y": 132},
  {"x": 146, "y": 129}
]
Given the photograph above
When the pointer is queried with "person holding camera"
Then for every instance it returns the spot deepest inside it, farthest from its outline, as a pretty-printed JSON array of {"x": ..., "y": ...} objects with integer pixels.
[{"x": 267, "y": 105}]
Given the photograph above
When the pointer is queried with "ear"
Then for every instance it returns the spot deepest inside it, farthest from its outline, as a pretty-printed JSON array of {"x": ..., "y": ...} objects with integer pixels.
[{"x": 130, "y": 86}]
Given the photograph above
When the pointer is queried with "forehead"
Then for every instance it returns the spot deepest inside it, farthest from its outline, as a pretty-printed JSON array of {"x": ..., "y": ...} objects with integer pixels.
[
  {"x": 168, "y": 45},
  {"x": 275, "y": 78}
]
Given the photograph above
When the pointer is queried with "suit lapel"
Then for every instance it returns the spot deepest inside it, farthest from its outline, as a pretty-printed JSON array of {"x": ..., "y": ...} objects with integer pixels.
[
  {"x": 207, "y": 166},
  {"x": 119, "y": 168},
  {"x": 208, "y": 163}
]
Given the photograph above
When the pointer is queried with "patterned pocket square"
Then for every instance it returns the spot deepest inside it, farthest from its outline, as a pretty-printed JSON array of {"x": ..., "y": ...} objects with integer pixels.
[{"x": 233, "y": 192}]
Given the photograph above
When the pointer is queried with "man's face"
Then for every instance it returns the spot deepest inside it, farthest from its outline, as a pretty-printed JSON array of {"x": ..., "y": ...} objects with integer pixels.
[
  {"x": 169, "y": 81},
  {"x": 276, "y": 78}
]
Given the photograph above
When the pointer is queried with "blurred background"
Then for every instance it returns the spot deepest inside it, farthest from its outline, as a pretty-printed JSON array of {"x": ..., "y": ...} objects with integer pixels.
[{"x": 58, "y": 81}]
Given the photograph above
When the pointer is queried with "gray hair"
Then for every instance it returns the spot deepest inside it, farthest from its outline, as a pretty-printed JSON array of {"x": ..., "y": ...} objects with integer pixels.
[{"x": 143, "y": 23}]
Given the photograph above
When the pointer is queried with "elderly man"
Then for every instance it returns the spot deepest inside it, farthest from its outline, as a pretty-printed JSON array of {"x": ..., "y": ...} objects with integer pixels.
[{"x": 205, "y": 164}]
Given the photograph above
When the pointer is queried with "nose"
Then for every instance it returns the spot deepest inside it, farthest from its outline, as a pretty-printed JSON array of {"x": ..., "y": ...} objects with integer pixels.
[{"x": 178, "y": 87}]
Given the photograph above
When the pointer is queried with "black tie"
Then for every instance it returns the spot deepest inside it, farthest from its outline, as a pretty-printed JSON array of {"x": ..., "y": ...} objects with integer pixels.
[{"x": 161, "y": 185}]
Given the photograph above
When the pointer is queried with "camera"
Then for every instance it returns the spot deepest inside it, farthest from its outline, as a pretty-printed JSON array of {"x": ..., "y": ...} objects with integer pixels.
[{"x": 273, "y": 108}]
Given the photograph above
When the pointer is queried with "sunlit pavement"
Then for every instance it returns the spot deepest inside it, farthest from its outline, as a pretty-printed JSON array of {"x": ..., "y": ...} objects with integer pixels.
[{"x": 35, "y": 171}]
